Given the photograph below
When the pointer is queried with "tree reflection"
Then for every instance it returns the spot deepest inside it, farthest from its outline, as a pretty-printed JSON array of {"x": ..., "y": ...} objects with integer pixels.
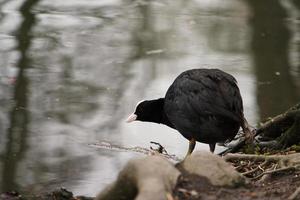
[
  {"x": 270, "y": 39},
  {"x": 19, "y": 117},
  {"x": 145, "y": 37},
  {"x": 297, "y": 5}
]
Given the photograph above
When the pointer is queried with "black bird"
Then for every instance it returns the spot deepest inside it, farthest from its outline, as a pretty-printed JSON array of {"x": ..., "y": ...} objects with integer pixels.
[{"x": 204, "y": 105}]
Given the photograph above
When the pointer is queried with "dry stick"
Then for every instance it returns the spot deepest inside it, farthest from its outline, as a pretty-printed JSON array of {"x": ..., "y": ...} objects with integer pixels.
[
  {"x": 107, "y": 145},
  {"x": 236, "y": 156},
  {"x": 160, "y": 149},
  {"x": 274, "y": 158},
  {"x": 240, "y": 166},
  {"x": 250, "y": 171},
  {"x": 295, "y": 194},
  {"x": 261, "y": 168},
  {"x": 282, "y": 160},
  {"x": 266, "y": 176},
  {"x": 274, "y": 171},
  {"x": 256, "y": 168}
]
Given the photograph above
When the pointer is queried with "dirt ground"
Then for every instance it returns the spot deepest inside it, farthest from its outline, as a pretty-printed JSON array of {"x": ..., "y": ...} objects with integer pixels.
[
  {"x": 277, "y": 187},
  {"x": 193, "y": 187}
]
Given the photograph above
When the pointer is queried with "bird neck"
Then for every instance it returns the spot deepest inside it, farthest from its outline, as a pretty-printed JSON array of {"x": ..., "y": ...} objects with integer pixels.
[
  {"x": 158, "y": 113},
  {"x": 165, "y": 120}
]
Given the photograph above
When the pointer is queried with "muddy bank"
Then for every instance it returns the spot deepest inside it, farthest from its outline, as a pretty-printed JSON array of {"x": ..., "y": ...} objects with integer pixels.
[
  {"x": 201, "y": 176},
  {"x": 207, "y": 176},
  {"x": 59, "y": 194},
  {"x": 279, "y": 186}
]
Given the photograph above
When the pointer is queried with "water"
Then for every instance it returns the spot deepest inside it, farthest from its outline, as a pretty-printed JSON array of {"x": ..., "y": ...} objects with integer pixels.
[{"x": 71, "y": 71}]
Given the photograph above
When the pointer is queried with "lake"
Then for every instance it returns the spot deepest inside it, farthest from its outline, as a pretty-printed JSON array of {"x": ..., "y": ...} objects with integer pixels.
[{"x": 72, "y": 71}]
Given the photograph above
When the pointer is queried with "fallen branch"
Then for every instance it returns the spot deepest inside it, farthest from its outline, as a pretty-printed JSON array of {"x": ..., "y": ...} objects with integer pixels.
[
  {"x": 275, "y": 171},
  {"x": 161, "y": 150},
  {"x": 259, "y": 167},
  {"x": 230, "y": 157}
]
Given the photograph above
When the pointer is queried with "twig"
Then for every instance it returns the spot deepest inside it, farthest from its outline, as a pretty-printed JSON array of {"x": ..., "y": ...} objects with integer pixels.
[
  {"x": 264, "y": 163},
  {"x": 108, "y": 145},
  {"x": 230, "y": 157},
  {"x": 274, "y": 171},
  {"x": 160, "y": 149},
  {"x": 256, "y": 168},
  {"x": 250, "y": 171},
  {"x": 261, "y": 168},
  {"x": 240, "y": 166}
]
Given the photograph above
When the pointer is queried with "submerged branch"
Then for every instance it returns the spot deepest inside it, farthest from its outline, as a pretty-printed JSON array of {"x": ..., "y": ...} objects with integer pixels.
[{"x": 161, "y": 150}]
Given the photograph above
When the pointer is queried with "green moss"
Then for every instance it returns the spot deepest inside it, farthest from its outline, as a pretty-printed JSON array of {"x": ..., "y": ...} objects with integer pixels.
[
  {"x": 295, "y": 147},
  {"x": 251, "y": 149}
]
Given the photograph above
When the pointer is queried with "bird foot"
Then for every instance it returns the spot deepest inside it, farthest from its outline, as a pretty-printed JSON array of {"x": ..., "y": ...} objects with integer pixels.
[
  {"x": 248, "y": 133},
  {"x": 249, "y": 136}
]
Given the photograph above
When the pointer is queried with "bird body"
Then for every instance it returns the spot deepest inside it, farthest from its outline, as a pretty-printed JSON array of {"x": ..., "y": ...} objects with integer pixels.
[{"x": 204, "y": 105}]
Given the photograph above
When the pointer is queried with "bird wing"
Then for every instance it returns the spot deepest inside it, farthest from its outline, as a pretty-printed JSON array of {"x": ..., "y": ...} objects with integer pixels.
[{"x": 205, "y": 94}]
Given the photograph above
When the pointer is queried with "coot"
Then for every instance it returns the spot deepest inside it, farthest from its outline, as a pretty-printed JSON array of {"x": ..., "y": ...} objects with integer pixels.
[{"x": 204, "y": 105}]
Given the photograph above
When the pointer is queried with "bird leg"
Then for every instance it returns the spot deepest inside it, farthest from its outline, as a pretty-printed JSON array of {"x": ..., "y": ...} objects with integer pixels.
[
  {"x": 249, "y": 136},
  {"x": 212, "y": 147},
  {"x": 192, "y": 145}
]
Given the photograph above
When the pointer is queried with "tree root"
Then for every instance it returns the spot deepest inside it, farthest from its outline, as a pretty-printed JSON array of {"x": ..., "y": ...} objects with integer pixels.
[
  {"x": 283, "y": 128},
  {"x": 283, "y": 131},
  {"x": 259, "y": 167},
  {"x": 278, "y": 124},
  {"x": 255, "y": 167},
  {"x": 275, "y": 171}
]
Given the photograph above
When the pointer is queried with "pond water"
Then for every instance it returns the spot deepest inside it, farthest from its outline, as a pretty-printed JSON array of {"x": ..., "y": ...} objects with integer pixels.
[{"x": 71, "y": 71}]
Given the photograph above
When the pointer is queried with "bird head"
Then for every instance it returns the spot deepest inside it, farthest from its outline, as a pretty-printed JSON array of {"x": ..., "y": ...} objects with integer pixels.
[{"x": 147, "y": 110}]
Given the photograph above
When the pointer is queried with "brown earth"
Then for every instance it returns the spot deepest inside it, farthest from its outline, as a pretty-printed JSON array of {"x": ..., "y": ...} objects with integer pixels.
[
  {"x": 193, "y": 187},
  {"x": 277, "y": 187}
]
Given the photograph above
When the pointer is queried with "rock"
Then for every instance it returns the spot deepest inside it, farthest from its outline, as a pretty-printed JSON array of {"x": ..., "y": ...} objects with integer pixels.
[
  {"x": 214, "y": 168},
  {"x": 11, "y": 196},
  {"x": 59, "y": 194},
  {"x": 153, "y": 177}
]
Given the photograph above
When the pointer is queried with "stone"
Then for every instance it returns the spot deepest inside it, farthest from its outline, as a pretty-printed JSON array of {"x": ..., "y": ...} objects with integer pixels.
[
  {"x": 214, "y": 168},
  {"x": 152, "y": 177}
]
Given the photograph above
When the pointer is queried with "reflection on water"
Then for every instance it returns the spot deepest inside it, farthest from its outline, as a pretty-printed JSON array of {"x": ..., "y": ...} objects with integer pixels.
[
  {"x": 17, "y": 131},
  {"x": 271, "y": 45},
  {"x": 72, "y": 71}
]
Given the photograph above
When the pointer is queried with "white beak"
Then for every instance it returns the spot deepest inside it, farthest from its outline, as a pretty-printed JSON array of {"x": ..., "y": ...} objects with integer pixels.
[{"x": 131, "y": 118}]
